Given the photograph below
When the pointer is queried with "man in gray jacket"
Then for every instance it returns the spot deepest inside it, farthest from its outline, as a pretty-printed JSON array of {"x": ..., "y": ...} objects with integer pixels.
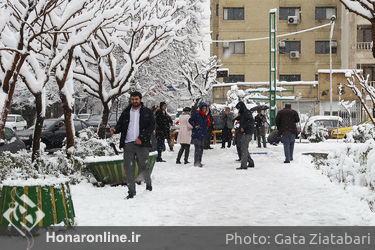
[{"x": 226, "y": 135}]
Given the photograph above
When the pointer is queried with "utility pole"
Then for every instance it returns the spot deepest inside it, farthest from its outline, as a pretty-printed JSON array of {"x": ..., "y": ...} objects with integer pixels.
[
  {"x": 273, "y": 67},
  {"x": 333, "y": 18}
]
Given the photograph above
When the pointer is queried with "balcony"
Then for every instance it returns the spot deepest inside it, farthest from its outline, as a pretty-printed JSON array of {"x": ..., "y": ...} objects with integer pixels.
[{"x": 364, "y": 46}]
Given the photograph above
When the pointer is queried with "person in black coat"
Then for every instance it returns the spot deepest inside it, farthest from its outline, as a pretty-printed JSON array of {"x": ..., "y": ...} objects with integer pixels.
[
  {"x": 163, "y": 124},
  {"x": 237, "y": 136},
  {"x": 286, "y": 120},
  {"x": 247, "y": 130},
  {"x": 135, "y": 124}
]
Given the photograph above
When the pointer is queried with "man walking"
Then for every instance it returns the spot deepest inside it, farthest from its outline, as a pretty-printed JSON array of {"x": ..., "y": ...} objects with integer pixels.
[
  {"x": 227, "y": 118},
  {"x": 260, "y": 122},
  {"x": 286, "y": 120},
  {"x": 135, "y": 124},
  {"x": 247, "y": 130},
  {"x": 200, "y": 122},
  {"x": 163, "y": 124}
]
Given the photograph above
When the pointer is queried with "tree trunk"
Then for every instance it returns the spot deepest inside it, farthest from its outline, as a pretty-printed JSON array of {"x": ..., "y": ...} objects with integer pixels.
[
  {"x": 68, "y": 121},
  {"x": 38, "y": 126},
  {"x": 373, "y": 38},
  {"x": 104, "y": 122}
]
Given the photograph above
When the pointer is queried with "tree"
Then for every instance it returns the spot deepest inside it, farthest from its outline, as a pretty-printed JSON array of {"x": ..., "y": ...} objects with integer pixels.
[
  {"x": 352, "y": 78},
  {"x": 107, "y": 64},
  {"x": 365, "y": 9}
]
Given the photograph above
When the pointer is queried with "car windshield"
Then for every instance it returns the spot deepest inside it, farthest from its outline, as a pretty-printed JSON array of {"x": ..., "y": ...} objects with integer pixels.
[
  {"x": 48, "y": 123},
  {"x": 83, "y": 116},
  {"x": 95, "y": 118},
  {"x": 112, "y": 117},
  {"x": 11, "y": 119}
]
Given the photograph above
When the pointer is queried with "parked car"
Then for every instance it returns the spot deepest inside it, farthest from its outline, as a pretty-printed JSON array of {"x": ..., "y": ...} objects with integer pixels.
[
  {"x": 16, "y": 122},
  {"x": 328, "y": 122},
  {"x": 10, "y": 141},
  {"x": 84, "y": 117},
  {"x": 340, "y": 133},
  {"x": 95, "y": 120},
  {"x": 53, "y": 132}
]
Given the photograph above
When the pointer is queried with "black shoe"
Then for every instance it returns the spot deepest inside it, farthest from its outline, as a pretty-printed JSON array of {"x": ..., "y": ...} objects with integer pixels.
[
  {"x": 149, "y": 188},
  {"x": 130, "y": 196},
  {"x": 222, "y": 147},
  {"x": 186, "y": 162},
  {"x": 178, "y": 162},
  {"x": 240, "y": 168},
  {"x": 286, "y": 161},
  {"x": 238, "y": 160},
  {"x": 138, "y": 182},
  {"x": 160, "y": 160}
]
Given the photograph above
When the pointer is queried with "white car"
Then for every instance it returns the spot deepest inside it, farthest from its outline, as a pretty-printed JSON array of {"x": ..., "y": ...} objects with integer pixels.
[
  {"x": 84, "y": 117},
  {"x": 16, "y": 122}
]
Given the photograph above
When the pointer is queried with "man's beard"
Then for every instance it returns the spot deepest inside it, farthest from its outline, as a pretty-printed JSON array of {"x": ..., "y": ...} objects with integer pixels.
[{"x": 136, "y": 105}]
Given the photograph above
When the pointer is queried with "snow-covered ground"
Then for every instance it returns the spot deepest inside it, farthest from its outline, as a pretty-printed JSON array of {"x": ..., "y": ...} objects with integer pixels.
[{"x": 273, "y": 193}]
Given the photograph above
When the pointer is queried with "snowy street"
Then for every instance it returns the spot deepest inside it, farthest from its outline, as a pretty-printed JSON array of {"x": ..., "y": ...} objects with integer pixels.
[{"x": 273, "y": 193}]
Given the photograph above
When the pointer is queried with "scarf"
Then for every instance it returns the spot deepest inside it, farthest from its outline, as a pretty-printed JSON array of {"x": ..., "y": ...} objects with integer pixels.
[{"x": 208, "y": 117}]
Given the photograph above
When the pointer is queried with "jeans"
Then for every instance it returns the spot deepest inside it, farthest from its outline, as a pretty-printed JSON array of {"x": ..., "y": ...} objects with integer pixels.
[
  {"x": 134, "y": 152},
  {"x": 160, "y": 146},
  {"x": 186, "y": 148},
  {"x": 288, "y": 141},
  {"x": 261, "y": 134},
  {"x": 245, "y": 155},
  {"x": 226, "y": 137},
  {"x": 198, "y": 153}
]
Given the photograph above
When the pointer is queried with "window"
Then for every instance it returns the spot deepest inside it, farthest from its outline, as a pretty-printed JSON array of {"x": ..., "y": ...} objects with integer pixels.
[
  {"x": 324, "y": 13},
  {"x": 217, "y": 38},
  {"x": 364, "y": 33},
  {"x": 7, "y": 134},
  {"x": 11, "y": 118},
  {"x": 290, "y": 78},
  {"x": 284, "y": 12},
  {"x": 234, "y": 78},
  {"x": 316, "y": 77},
  {"x": 290, "y": 46},
  {"x": 234, "y": 13},
  {"x": 217, "y": 10},
  {"x": 20, "y": 119},
  {"x": 368, "y": 69},
  {"x": 77, "y": 125},
  {"x": 322, "y": 47},
  {"x": 234, "y": 48}
]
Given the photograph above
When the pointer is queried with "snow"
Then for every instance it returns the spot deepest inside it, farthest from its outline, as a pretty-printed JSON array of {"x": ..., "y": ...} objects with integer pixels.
[
  {"x": 270, "y": 194},
  {"x": 337, "y": 71},
  {"x": 41, "y": 181},
  {"x": 280, "y": 83}
]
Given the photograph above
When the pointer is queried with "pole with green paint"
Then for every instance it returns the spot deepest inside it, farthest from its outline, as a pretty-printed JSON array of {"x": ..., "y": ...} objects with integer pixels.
[{"x": 273, "y": 67}]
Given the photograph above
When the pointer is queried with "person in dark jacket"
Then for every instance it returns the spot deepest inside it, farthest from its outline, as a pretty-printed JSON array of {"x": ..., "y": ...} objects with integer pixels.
[
  {"x": 154, "y": 144},
  {"x": 260, "y": 124},
  {"x": 163, "y": 124},
  {"x": 247, "y": 130},
  {"x": 237, "y": 136},
  {"x": 286, "y": 120},
  {"x": 200, "y": 122},
  {"x": 209, "y": 130},
  {"x": 226, "y": 135},
  {"x": 135, "y": 124}
]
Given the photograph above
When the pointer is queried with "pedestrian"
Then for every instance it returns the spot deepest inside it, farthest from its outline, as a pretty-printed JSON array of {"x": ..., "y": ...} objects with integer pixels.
[
  {"x": 184, "y": 135},
  {"x": 286, "y": 120},
  {"x": 163, "y": 124},
  {"x": 247, "y": 130},
  {"x": 135, "y": 124},
  {"x": 209, "y": 130},
  {"x": 200, "y": 122},
  {"x": 226, "y": 135},
  {"x": 153, "y": 135},
  {"x": 260, "y": 124},
  {"x": 237, "y": 136}
]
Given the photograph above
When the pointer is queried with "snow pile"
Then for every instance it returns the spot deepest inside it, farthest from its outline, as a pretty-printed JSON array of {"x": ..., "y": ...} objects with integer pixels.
[
  {"x": 69, "y": 164},
  {"x": 316, "y": 133},
  {"x": 353, "y": 167},
  {"x": 361, "y": 133}
]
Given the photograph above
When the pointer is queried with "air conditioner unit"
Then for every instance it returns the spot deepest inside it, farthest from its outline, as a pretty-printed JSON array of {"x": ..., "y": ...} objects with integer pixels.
[
  {"x": 294, "y": 54},
  {"x": 226, "y": 44},
  {"x": 334, "y": 44},
  {"x": 293, "y": 19},
  {"x": 282, "y": 44}
]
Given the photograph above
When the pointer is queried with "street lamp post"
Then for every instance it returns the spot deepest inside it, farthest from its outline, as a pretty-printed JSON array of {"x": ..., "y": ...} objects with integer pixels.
[{"x": 333, "y": 18}]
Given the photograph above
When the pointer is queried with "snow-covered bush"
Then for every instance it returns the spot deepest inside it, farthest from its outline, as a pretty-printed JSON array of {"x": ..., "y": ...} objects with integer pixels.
[
  {"x": 361, "y": 133},
  {"x": 20, "y": 166},
  {"x": 316, "y": 133}
]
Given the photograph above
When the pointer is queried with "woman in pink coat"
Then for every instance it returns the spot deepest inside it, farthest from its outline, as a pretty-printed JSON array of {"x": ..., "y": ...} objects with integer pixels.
[{"x": 184, "y": 135}]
